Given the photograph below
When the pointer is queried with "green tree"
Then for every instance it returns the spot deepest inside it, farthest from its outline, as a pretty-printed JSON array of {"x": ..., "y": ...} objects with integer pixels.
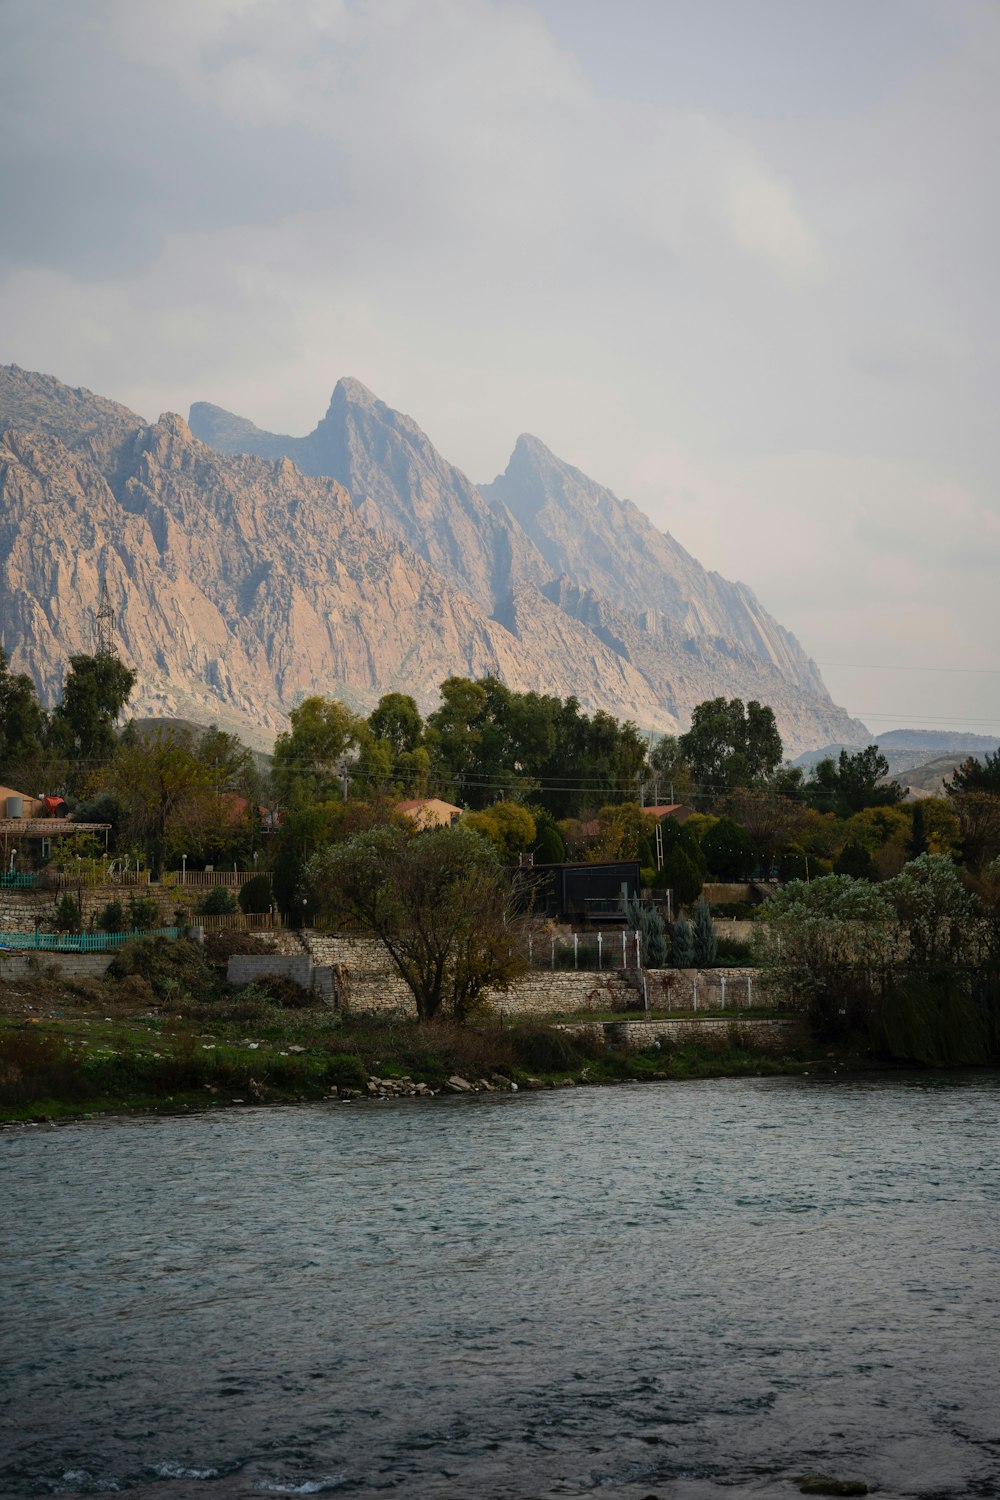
[
  {"x": 682, "y": 944},
  {"x": 648, "y": 923},
  {"x": 256, "y": 896},
  {"x": 508, "y": 826},
  {"x": 681, "y": 876},
  {"x": 729, "y": 851},
  {"x": 310, "y": 759},
  {"x": 975, "y": 775},
  {"x": 706, "y": 944},
  {"x": 828, "y": 946},
  {"x": 669, "y": 776},
  {"x": 158, "y": 782},
  {"x": 730, "y": 745},
  {"x": 934, "y": 909},
  {"x": 852, "y": 783},
  {"x": 22, "y": 722},
  {"x": 396, "y": 719},
  {"x": 440, "y": 904},
  {"x": 96, "y": 689}
]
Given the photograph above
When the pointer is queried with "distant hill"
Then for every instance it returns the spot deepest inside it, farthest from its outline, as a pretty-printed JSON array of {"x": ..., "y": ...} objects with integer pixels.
[
  {"x": 906, "y": 749},
  {"x": 929, "y": 777}
]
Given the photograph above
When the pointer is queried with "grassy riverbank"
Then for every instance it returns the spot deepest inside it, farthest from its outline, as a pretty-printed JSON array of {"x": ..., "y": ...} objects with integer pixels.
[{"x": 164, "y": 1032}]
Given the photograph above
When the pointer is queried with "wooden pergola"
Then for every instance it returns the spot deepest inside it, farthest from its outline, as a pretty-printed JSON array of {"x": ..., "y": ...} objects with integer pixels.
[{"x": 12, "y": 829}]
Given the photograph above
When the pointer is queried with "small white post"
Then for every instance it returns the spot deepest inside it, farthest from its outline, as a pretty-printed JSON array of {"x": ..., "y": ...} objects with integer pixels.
[
  {"x": 694, "y": 985},
  {"x": 600, "y": 950},
  {"x": 553, "y": 953},
  {"x": 624, "y": 959},
  {"x": 576, "y": 950},
  {"x": 722, "y": 979},
  {"x": 749, "y": 991}
]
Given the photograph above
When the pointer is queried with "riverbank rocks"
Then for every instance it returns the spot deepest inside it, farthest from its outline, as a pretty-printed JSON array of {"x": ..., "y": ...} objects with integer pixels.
[{"x": 456, "y": 1085}]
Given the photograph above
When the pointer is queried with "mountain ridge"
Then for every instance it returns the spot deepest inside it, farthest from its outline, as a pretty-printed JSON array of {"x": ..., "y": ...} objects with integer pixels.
[{"x": 243, "y": 584}]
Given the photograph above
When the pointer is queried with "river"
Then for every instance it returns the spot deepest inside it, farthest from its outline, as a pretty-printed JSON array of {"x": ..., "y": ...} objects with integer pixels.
[{"x": 683, "y": 1290}]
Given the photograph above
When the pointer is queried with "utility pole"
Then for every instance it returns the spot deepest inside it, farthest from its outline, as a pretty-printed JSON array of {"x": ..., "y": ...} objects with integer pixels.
[{"x": 104, "y": 625}]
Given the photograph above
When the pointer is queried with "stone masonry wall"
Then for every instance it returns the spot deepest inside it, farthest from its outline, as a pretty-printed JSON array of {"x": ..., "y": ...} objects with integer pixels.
[
  {"x": 23, "y": 911},
  {"x": 757, "y": 1031},
  {"x": 69, "y": 965}
]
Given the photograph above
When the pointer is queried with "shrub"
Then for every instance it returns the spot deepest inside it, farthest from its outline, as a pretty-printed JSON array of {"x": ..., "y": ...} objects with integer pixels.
[
  {"x": 68, "y": 915},
  {"x": 143, "y": 913},
  {"x": 112, "y": 918},
  {"x": 544, "y": 1051},
  {"x": 256, "y": 896},
  {"x": 703, "y": 936},
  {"x": 346, "y": 1070},
  {"x": 219, "y": 902},
  {"x": 682, "y": 944}
]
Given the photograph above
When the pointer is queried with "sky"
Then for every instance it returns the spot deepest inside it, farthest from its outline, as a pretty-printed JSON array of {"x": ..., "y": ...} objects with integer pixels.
[{"x": 737, "y": 261}]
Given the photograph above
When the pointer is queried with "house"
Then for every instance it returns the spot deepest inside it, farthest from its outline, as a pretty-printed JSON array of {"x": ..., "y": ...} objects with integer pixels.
[
  {"x": 430, "y": 812},
  {"x": 29, "y": 824},
  {"x": 579, "y": 892},
  {"x": 676, "y": 810},
  {"x": 19, "y": 805}
]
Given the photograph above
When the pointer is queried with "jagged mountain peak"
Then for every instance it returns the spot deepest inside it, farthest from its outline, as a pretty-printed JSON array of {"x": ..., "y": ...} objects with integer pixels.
[{"x": 350, "y": 391}]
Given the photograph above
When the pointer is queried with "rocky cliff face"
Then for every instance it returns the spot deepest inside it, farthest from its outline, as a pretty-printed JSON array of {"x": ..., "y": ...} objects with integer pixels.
[
  {"x": 400, "y": 484},
  {"x": 608, "y": 546},
  {"x": 242, "y": 584}
]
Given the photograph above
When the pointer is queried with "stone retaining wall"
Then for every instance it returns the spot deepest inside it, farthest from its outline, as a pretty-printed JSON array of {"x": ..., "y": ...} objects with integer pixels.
[
  {"x": 28, "y": 965},
  {"x": 756, "y": 1031},
  {"x": 245, "y": 968},
  {"x": 23, "y": 911}
]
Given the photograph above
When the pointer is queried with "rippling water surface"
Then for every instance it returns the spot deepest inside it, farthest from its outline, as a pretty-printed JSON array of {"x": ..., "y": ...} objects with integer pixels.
[{"x": 683, "y": 1290}]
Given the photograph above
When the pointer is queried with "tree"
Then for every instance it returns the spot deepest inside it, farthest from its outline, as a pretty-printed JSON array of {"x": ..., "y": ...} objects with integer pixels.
[
  {"x": 979, "y": 821},
  {"x": 396, "y": 719},
  {"x": 729, "y": 746},
  {"x": 256, "y": 895},
  {"x": 934, "y": 909},
  {"x": 828, "y": 947},
  {"x": 22, "y": 722},
  {"x": 854, "y": 860},
  {"x": 648, "y": 922},
  {"x": 729, "y": 851},
  {"x": 706, "y": 945},
  {"x": 681, "y": 876},
  {"x": 852, "y": 782},
  {"x": 158, "y": 781},
  {"x": 669, "y": 775},
  {"x": 508, "y": 826},
  {"x": 95, "y": 691},
  {"x": 310, "y": 758},
  {"x": 975, "y": 775},
  {"x": 682, "y": 944},
  {"x": 437, "y": 900}
]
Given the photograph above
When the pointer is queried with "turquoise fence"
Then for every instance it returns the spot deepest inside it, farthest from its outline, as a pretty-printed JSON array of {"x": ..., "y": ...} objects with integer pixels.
[
  {"x": 18, "y": 880},
  {"x": 78, "y": 942}
]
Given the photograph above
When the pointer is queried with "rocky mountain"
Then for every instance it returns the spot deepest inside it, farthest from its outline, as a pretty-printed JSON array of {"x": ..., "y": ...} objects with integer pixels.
[
  {"x": 242, "y": 584},
  {"x": 611, "y": 549},
  {"x": 399, "y": 483}
]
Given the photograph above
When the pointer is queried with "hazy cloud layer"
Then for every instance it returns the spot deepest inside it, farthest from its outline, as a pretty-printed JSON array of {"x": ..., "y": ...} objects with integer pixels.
[{"x": 735, "y": 261}]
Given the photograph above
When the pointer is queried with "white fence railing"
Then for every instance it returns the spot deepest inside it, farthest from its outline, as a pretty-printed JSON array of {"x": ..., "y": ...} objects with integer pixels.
[{"x": 234, "y": 879}]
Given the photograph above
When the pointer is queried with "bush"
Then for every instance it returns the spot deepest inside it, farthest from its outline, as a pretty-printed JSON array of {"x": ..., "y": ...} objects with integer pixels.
[
  {"x": 143, "y": 913},
  {"x": 219, "y": 902},
  {"x": 256, "y": 896},
  {"x": 68, "y": 915},
  {"x": 706, "y": 944},
  {"x": 733, "y": 954},
  {"x": 544, "y": 1051},
  {"x": 112, "y": 918},
  {"x": 346, "y": 1070}
]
